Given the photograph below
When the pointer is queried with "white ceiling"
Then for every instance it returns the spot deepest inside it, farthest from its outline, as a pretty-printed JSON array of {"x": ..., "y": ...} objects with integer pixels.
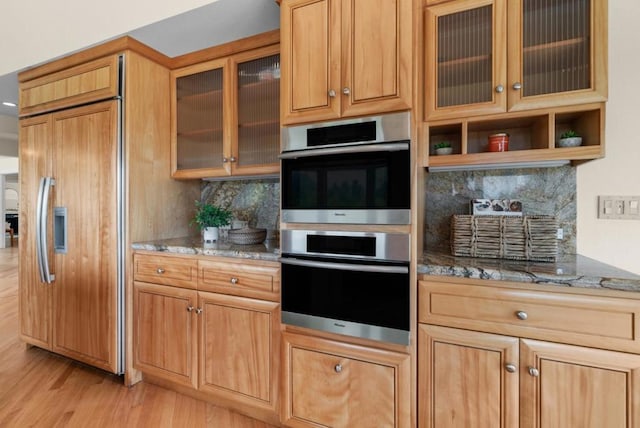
[{"x": 217, "y": 22}]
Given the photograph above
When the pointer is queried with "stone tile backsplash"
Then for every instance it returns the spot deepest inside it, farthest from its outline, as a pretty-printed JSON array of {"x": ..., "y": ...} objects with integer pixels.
[
  {"x": 547, "y": 191},
  {"x": 256, "y": 201}
]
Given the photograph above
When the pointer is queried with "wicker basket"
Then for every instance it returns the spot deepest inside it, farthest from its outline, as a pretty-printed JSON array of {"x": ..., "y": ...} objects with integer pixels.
[
  {"x": 504, "y": 237},
  {"x": 247, "y": 236}
]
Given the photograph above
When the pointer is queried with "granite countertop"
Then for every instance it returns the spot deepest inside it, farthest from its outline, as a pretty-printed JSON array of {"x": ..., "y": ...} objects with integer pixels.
[
  {"x": 571, "y": 271},
  {"x": 268, "y": 250}
]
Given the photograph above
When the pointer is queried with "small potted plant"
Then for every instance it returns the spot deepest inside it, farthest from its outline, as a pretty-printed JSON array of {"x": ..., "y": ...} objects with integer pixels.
[
  {"x": 209, "y": 218},
  {"x": 443, "y": 148},
  {"x": 570, "y": 138}
]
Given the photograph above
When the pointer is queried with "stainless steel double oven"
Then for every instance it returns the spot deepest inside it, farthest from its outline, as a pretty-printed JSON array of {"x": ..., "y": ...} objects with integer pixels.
[{"x": 347, "y": 280}]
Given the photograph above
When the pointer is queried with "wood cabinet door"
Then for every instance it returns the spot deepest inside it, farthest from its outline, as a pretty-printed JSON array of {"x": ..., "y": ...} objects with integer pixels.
[
  {"x": 85, "y": 287},
  {"x": 465, "y": 58},
  {"x": 165, "y": 332},
  {"x": 239, "y": 349},
  {"x": 201, "y": 120},
  {"x": 310, "y": 59},
  {"x": 557, "y": 53},
  {"x": 255, "y": 135},
  {"x": 34, "y": 295},
  {"x": 376, "y": 56},
  {"x": 575, "y": 387},
  {"x": 466, "y": 379},
  {"x": 330, "y": 384}
]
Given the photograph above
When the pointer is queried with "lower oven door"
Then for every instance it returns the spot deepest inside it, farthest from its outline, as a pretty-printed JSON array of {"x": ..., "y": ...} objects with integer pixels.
[{"x": 363, "y": 299}]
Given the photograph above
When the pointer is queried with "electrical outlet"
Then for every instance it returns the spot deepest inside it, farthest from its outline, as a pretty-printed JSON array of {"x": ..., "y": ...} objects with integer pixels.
[
  {"x": 560, "y": 233},
  {"x": 619, "y": 207}
]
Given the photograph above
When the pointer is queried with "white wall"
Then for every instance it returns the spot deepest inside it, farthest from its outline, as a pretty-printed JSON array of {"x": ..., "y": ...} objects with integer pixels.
[
  {"x": 616, "y": 242},
  {"x": 34, "y": 31}
]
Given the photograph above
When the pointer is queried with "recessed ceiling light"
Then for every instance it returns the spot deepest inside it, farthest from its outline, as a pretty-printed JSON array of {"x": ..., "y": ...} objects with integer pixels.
[{"x": 9, "y": 104}]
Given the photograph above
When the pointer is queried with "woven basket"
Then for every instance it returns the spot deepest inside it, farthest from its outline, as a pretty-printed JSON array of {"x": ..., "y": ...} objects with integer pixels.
[
  {"x": 504, "y": 237},
  {"x": 247, "y": 236}
]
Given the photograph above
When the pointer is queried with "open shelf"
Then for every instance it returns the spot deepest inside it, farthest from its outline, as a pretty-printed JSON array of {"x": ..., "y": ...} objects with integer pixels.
[{"x": 533, "y": 137}]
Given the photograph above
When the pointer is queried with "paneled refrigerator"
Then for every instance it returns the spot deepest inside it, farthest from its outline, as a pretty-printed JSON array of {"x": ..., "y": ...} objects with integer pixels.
[{"x": 94, "y": 177}]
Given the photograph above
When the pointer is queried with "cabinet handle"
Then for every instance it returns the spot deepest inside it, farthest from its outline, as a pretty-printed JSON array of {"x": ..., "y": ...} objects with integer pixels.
[
  {"x": 337, "y": 368},
  {"x": 499, "y": 89},
  {"x": 517, "y": 86},
  {"x": 511, "y": 368},
  {"x": 234, "y": 280},
  {"x": 332, "y": 93},
  {"x": 198, "y": 311},
  {"x": 346, "y": 91},
  {"x": 224, "y": 160},
  {"x": 534, "y": 372},
  {"x": 189, "y": 308},
  {"x": 160, "y": 271},
  {"x": 522, "y": 315}
]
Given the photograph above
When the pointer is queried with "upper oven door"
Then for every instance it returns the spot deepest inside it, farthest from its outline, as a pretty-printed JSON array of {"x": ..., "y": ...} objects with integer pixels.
[{"x": 358, "y": 184}]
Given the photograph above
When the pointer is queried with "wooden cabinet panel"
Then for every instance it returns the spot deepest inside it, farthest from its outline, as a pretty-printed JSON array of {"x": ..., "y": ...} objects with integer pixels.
[
  {"x": 464, "y": 379},
  {"x": 92, "y": 81},
  {"x": 239, "y": 348},
  {"x": 34, "y": 296},
  {"x": 166, "y": 270},
  {"x": 250, "y": 280},
  {"x": 165, "y": 328},
  {"x": 339, "y": 385},
  {"x": 580, "y": 319},
  {"x": 345, "y": 58},
  {"x": 84, "y": 294},
  {"x": 578, "y": 387}
]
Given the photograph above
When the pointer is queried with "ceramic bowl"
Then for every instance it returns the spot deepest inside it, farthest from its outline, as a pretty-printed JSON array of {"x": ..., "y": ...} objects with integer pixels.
[{"x": 570, "y": 142}]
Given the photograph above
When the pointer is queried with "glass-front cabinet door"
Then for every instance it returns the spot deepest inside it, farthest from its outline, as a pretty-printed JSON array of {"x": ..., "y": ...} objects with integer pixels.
[
  {"x": 557, "y": 52},
  {"x": 465, "y": 58},
  {"x": 198, "y": 120},
  {"x": 255, "y": 136}
]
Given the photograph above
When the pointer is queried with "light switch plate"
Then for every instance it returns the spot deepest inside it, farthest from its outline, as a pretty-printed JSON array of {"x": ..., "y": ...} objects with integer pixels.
[{"x": 619, "y": 207}]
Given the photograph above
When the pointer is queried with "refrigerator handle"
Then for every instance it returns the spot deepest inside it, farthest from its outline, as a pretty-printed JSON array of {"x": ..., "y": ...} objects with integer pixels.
[{"x": 42, "y": 217}]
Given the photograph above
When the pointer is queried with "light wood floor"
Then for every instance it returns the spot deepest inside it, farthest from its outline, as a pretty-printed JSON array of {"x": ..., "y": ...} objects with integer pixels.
[{"x": 41, "y": 389}]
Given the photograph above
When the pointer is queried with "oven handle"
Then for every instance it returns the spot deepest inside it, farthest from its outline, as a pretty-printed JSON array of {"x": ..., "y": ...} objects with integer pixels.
[
  {"x": 383, "y": 147},
  {"x": 344, "y": 266}
]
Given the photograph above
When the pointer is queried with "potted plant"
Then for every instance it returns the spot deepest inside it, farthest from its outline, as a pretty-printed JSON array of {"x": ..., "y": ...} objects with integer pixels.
[
  {"x": 443, "y": 148},
  {"x": 209, "y": 218},
  {"x": 570, "y": 138}
]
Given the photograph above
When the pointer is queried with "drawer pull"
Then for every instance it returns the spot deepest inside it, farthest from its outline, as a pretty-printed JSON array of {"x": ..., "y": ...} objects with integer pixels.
[
  {"x": 522, "y": 315},
  {"x": 189, "y": 308},
  {"x": 160, "y": 271},
  {"x": 234, "y": 280},
  {"x": 534, "y": 372},
  {"x": 511, "y": 368},
  {"x": 338, "y": 368}
]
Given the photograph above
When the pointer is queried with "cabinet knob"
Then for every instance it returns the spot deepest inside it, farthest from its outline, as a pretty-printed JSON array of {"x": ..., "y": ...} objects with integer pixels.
[
  {"x": 198, "y": 311},
  {"x": 160, "y": 271},
  {"x": 224, "y": 160},
  {"x": 234, "y": 280},
  {"x": 534, "y": 372},
  {"x": 522, "y": 315},
  {"x": 189, "y": 308},
  {"x": 332, "y": 93},
  {"x": 511, "y": 368},
  {"x": 499, "y": 89},
  {"x": 346, "y": 91},
  {"x": 517, "y": 86},
  {"x": 338, "y": 368},
  {"x": 232, "y": 159}
]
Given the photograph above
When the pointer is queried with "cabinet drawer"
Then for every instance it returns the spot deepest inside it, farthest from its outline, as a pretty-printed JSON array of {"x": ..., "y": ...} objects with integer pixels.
[
  {"x": 176, "y": 271},
  {"x": 93, "y": 81},
  {"x": 331, "y": 384},
  {"x": 597, "y": 321},
  {"x": 249, "y": 279}
]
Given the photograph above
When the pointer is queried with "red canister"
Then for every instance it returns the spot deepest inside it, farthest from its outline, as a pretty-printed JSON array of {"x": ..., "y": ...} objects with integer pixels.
[{"x": 499, "y": 142}]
